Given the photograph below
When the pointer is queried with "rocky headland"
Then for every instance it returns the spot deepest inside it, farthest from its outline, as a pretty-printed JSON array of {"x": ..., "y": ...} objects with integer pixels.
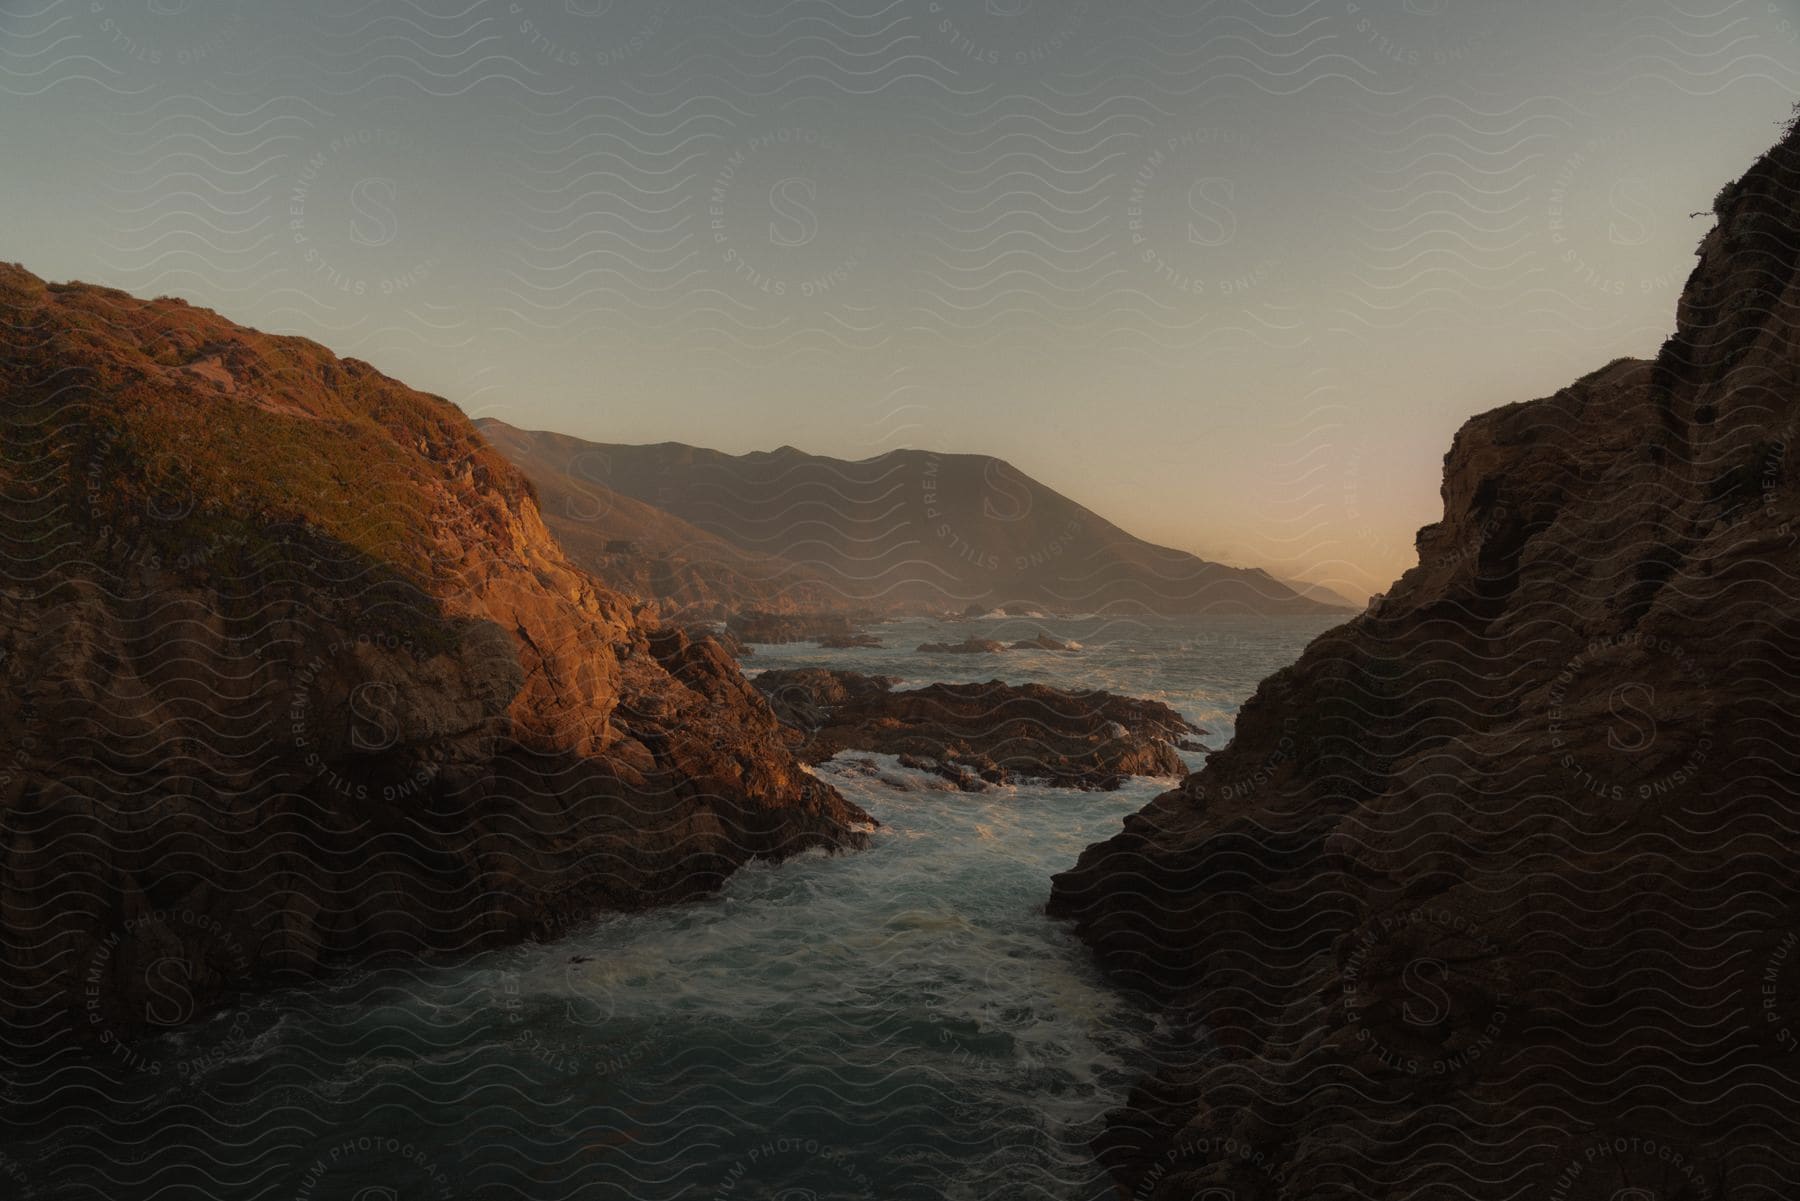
[
  {"x": 988, "y": 733},
  {"x": 296, "y": 675},
  {"x": 1494, "y": 893}
]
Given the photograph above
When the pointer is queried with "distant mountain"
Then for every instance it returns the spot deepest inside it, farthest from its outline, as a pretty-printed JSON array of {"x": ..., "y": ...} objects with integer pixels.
[
  {"x": 641, "y": 548},
  {"x": 1323, "y": 594},
  {"x": 903, "y": 530}
]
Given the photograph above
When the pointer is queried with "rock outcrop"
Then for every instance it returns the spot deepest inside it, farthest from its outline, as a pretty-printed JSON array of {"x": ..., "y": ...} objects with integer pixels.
[
  {"x": 1495, "y": 892},
  {"x": 848, "y": 642},
  {"x": 295, "y": 674},
  {"x": 974, "y": 733},
  {"x": 991, "y": 646},
  {"x": 1043, "y": 642},
  {"x": 968, "y": 646}
]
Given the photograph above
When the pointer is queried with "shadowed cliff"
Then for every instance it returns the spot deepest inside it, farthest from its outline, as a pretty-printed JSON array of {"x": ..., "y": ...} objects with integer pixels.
[{"x": 1495, "y": 892}]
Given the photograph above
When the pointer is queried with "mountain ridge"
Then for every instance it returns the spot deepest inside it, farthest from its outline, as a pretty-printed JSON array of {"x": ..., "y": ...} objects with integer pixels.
[
  {"x": 646, "y": 550},
  {"x": 909, "y": 527}
]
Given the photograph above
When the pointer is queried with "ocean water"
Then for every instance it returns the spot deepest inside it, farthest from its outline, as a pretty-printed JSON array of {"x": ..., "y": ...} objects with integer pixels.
[
  {"x": 898, "y": 1023},
  {"x": 1204, "y": 668}
]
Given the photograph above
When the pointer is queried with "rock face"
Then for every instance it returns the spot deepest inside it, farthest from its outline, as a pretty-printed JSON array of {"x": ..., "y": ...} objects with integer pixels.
[
  {"x": 1496, "y": 891},
  {"x": 908, "y": 530},
  {"x": 991, "y": 732},
  {"x": 295, "y": 674}
]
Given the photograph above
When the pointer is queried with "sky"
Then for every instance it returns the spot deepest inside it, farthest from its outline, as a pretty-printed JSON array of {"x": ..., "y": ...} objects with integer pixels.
[{"x": 1229, "y": 273}]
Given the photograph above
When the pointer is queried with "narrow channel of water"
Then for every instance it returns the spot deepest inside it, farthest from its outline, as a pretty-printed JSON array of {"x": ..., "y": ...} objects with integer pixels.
[{"x": 898, "y": 1023}]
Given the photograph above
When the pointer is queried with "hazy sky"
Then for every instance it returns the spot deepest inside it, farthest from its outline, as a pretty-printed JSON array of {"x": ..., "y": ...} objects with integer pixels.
[{"x": 1230, "y": 273}]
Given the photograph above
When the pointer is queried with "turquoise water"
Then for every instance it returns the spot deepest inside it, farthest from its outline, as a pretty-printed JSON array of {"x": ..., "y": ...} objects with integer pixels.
[{"x": 898, "y": 1023}]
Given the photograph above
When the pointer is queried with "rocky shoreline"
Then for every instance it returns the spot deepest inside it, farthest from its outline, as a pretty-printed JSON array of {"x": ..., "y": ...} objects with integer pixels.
[
  {"x": 385, "y": 714},
  {"x": 1493, "y": 892},
  {"x": 295, "y": 675},
  {"x": 981, "y": 734}
]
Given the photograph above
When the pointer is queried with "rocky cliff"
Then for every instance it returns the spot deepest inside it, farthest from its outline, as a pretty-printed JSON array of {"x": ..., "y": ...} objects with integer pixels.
[
  {"x": 1496, "y": 892},
  {"x": 295, "y": 674}
]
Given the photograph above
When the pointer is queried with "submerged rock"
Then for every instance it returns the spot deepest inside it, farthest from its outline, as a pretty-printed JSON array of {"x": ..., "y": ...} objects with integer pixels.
[
  {"x": 968, "y": 646},
  {"x": 962, "y": 775},
  {"x": 1043, "y": 642},
  {"x": 970, "y": 733},
  {"x": 990, "y": 646},
  {"x": 843, "y": 642}
]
